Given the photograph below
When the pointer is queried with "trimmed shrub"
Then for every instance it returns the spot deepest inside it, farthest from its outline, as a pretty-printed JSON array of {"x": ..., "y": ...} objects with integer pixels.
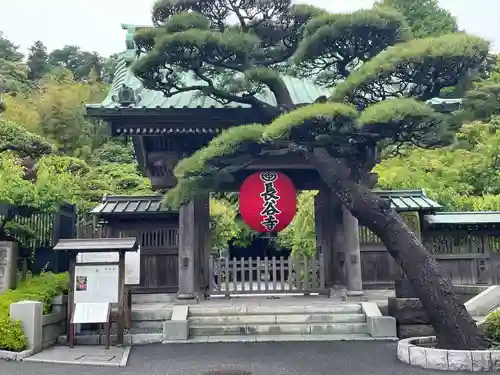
[
  {"x": 492, "y": 329},
  {"x": 42, "y": 288}
]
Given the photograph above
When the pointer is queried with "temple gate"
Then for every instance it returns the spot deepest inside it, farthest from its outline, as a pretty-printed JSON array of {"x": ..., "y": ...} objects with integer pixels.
[{"x": 165, "y": 130}]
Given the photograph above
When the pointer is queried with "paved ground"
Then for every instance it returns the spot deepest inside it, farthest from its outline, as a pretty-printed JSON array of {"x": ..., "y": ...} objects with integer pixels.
[
  {"x": 310, "y": 358},
  {"x": 86, "y": 355}
]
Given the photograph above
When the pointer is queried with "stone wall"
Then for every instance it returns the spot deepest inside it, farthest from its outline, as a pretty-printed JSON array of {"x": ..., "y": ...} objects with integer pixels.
[
  {"x": 40, "y": 330},
  {"x": 411, "y": 319},
  {"x": 54, "y": 324}
]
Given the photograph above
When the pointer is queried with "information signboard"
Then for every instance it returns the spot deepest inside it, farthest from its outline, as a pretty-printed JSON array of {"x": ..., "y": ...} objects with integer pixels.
[
  {"x": 132, "y": 263},
  {"x": 91, "y": 312},
  {"x": 96, "y": 284}
]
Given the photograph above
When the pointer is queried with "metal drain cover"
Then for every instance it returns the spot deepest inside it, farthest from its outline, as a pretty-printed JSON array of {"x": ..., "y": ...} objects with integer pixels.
[{"x": 227, "y": 372}]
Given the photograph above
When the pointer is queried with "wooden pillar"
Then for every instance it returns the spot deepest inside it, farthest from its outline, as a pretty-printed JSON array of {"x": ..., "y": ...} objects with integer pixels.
[
  {"x": 186, "y": 252},
  {"x": 193, "y": 239},
  {"x": 323, "y": 232},
  {"x": 202, "y": 227},
  {"x": 71, "y": 298},
  {"x": 120, "y": 332},
  {"x": 337, "y": 238},
  {"x": 328, "y": 218},
  {"x": 354, "y": 279}
]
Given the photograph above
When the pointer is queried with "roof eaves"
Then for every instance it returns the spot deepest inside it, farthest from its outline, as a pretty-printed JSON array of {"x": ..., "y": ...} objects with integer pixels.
[
  {"x": 124, "y": 198},
  {"x": 97, "y": 244},
  {"x": 463, "y": 218},
  {"x": 400, "y": 193}
]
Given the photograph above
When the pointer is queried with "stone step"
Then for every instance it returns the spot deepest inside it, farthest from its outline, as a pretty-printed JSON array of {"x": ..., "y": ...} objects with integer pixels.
[
  {"x": 273, "y": 310},
  {"x": 276, "y": 319},
  {"x": 276, "y": 329},
  {"x": 151, "y": 314},
  {"x": 282, "y": 338},
  {"x": 148, "y": 324},
  {"x": 154, "y": 298}
]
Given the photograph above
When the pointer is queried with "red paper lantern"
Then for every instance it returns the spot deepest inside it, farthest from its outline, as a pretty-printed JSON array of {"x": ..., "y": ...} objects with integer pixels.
[{"x": 268, "y": 201}]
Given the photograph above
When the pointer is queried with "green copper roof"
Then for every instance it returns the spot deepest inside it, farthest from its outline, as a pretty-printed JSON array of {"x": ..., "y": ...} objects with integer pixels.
[
  {"x": 409, "y": 200},
  {"x": 401, "y": 200},
  {"x": 302, "y": 92},
  {"x": 129, "y": 204}
]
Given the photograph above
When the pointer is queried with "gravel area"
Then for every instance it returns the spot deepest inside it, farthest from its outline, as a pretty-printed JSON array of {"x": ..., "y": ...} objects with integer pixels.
[{"x": 297, "y": 358}]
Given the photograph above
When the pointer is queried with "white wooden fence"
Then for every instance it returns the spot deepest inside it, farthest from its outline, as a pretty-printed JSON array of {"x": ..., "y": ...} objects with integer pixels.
[{"x": 267, "y": 275}]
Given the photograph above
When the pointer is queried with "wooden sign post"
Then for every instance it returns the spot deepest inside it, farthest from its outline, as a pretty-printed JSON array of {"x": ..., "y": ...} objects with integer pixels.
[{"x": 96, "y": 281}]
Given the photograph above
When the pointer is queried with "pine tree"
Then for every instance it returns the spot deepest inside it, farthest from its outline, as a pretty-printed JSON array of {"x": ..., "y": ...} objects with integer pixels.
[
  {"x": 235, "y": 49},
  {"x": 37, "y": 61}
]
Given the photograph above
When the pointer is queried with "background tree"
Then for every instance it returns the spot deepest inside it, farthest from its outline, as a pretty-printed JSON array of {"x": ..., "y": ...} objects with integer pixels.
[
  {"x": 13, "y": 73},
  {"x": 482, "y": 101},
  {"x": 425, "y": 17},
  {"x": 8, "y": 50},
  {"x": 235, "y": 61},
  {"x": 80, "y": 63},
  {"x": 37, "y": 62},
  {"x": 54, "y": 111},
  {"x": 18, "y": 150},
  {"x": 13, "y": 80},
  {"x": 50, "y": 153},
  {"x": 109, "y": 68}
]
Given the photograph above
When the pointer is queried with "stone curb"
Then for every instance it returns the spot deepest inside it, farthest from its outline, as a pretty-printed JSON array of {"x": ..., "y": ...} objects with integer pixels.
[
  {"x": 129, "y": 339},
  {"x": 409, "y": 352},
  {"x": 123, "y": 361},
  {"x": 15, "y": 356}
]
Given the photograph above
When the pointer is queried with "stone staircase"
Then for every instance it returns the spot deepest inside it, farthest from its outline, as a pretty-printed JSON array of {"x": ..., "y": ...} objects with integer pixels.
[
  {"x": 284, "y": 323},
  {"x": 157, "y": 320}
]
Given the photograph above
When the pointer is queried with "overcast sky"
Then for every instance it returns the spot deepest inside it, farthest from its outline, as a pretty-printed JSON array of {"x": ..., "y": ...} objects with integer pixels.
[{"x": 94, "y": 25}]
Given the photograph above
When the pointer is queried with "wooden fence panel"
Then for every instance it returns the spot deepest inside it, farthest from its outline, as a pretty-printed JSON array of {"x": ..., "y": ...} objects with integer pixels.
[
  {"x": 267, "y": 276},
  {"x": 378, "y": 268}
]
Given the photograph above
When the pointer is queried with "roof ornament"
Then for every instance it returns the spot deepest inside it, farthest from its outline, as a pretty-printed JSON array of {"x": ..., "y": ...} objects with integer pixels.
[{"x": 126, "y": 96}]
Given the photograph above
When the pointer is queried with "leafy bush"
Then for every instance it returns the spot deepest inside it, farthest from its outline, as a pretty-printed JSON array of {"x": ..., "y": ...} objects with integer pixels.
[
  {"x": 42, "y": 288},
  {"x": 492, "y": 329}
]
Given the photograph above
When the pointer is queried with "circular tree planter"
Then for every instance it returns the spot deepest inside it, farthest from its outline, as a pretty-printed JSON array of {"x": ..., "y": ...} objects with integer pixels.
[{"x": 420, "y": 351}]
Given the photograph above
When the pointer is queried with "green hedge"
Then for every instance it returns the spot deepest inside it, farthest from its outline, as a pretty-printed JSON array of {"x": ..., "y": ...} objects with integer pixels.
[
  {"x": 42, "y": 288},
  {"x": 492, "y": 328}
]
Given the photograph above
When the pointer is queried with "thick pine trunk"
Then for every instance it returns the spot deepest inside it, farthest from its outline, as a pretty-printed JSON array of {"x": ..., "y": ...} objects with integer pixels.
[{"x": 454, "y": 327}]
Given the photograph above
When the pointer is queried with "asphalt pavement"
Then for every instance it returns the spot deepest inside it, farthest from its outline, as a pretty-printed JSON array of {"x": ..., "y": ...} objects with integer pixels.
[{"x": 283, "y": 358}]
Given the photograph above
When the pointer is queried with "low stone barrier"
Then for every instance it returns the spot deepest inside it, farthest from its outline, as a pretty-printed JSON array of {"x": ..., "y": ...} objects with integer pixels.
[
  {"x": 54, "y": 324},
  {"x": 40, "y": 330},
  {"x": 411, "y": 318},
  {"x": 419, "y": 351}
]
